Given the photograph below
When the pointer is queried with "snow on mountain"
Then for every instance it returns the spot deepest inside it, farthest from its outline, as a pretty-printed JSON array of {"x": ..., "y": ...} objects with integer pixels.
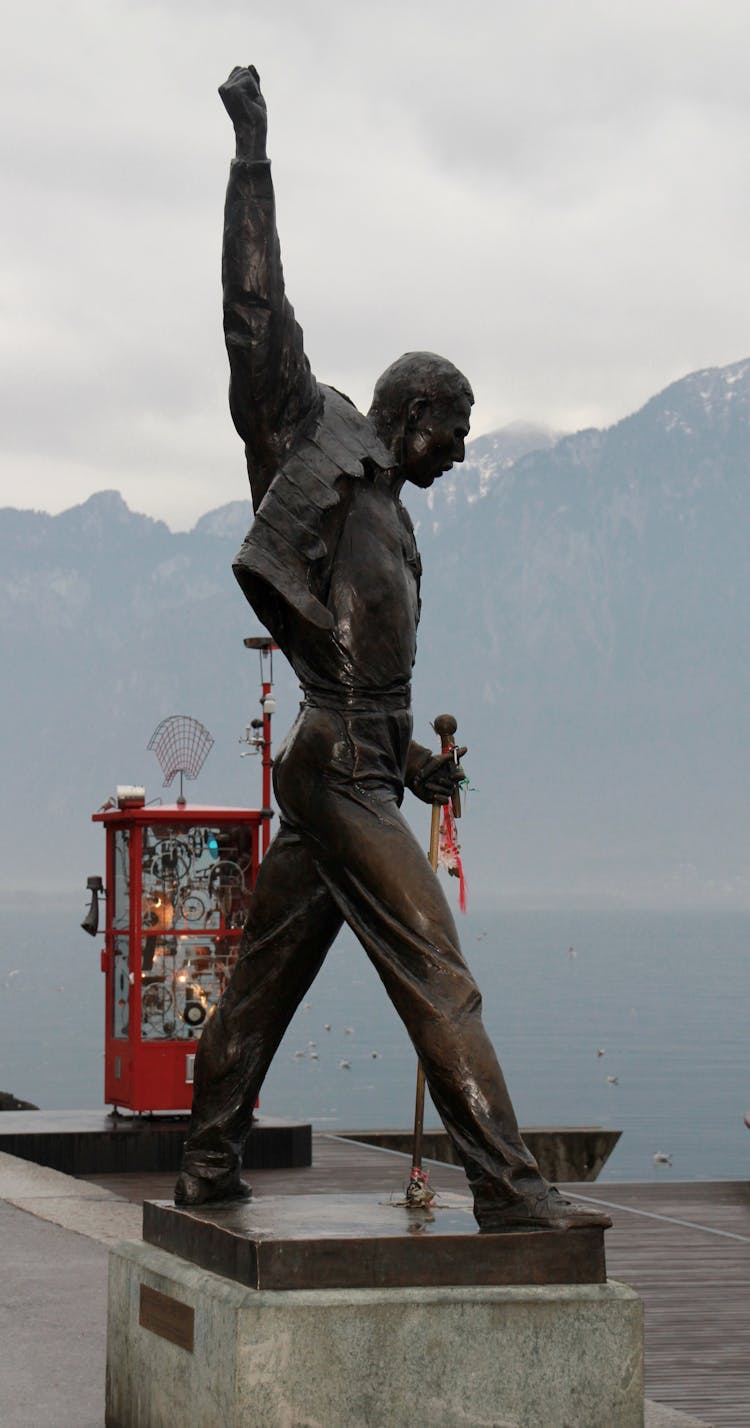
[
  {"x": 229, "y": 522},
  {"x": 487, "y": 457}
]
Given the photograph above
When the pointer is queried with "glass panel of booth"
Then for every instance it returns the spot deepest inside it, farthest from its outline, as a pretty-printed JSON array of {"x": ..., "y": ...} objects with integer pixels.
[
  {"x": 120, "y": 986},
  {"x": 196, "y": 883},
  {"x": 121, "y": 897},
  {"x": 196, "y": 877},
  {"x": 182, "y": 980}
]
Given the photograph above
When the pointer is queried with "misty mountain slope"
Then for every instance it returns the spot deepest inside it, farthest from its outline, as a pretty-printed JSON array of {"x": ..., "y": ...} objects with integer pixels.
[
  {"x": 629, "y": 545},
  {"x": 584, "y": 616},
  {"x": 487, "y": 457},
  {"x": 110, "y": 622},
  {"x": 598, "y": 602}
]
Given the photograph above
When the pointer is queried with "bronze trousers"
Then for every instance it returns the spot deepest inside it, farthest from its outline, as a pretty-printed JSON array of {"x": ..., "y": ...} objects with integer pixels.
[{"x": 344, "y": 853}]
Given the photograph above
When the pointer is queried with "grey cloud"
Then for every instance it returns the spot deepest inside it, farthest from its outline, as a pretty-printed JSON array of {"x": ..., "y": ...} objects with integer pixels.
[{"x": 552, "y": 193}]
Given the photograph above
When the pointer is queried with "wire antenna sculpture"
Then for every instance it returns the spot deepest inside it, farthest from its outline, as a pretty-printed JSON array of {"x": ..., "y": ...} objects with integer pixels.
[{"x": 181, "y": 745}]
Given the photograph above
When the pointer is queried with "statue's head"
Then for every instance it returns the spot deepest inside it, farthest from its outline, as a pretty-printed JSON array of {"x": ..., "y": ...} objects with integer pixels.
[{"x": 421, "y": 409}]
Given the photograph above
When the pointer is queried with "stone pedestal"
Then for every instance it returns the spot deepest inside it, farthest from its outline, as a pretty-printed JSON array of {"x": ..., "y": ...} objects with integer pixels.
[{"x": 189, "y": 1347}]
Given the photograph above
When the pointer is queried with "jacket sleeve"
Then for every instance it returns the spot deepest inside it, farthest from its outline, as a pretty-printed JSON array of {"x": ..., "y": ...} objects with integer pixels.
[{"x": 272, "y": 389}]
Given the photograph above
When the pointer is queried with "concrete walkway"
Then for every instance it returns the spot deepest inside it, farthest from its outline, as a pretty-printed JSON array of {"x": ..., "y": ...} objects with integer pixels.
[
  {"x": 53, "y": 1325},
  {"x": 54, "y": 1233}
]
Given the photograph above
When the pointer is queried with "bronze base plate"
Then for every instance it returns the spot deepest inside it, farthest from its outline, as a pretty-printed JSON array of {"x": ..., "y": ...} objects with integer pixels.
[{"x": 366, "y": 1242}]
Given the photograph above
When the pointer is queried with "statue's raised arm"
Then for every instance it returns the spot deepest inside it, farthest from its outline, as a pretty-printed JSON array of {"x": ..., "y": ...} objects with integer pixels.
[
  {"x": 330, "y": 566},
  {"x": 271, "y": 386}
]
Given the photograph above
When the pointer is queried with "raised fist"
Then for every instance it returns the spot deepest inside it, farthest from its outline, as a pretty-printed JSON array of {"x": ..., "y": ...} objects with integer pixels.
[{"x": 246, "y": 107}]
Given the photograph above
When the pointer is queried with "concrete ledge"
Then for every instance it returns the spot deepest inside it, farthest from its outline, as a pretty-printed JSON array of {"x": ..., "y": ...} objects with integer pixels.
[
  {"x": 72, "y": 1204},
  {"x": 186, "y": 1346}
]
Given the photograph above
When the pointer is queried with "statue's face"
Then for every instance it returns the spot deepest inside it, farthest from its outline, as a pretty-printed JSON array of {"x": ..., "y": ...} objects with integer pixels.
[{"x": 435, "y": 435}]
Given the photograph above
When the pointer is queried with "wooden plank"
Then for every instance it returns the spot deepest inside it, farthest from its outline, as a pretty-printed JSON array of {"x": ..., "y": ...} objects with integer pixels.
[{"x": 671, "y": 1243}]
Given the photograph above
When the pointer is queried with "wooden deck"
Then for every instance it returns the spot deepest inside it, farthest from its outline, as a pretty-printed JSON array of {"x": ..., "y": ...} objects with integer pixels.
[{"x": 685, "y": 1247}]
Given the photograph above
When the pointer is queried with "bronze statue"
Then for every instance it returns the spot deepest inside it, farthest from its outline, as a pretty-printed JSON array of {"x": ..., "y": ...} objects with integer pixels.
[{"x": 331, "y": 568}]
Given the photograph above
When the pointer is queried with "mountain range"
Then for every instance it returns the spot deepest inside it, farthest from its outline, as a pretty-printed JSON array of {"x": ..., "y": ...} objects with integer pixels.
[{"x": 585, "y": 609}]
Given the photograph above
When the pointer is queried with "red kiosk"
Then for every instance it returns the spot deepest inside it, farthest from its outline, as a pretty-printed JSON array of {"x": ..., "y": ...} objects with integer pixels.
[{"x": 178, "y": 880}]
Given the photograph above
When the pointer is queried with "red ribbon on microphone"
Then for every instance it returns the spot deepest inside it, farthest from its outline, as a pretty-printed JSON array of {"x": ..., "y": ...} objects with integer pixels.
[{"x": 449, "y": 853}]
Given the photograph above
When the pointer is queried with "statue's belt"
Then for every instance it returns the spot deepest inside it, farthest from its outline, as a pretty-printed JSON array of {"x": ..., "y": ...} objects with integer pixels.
[{"x": 360, "y": 701}]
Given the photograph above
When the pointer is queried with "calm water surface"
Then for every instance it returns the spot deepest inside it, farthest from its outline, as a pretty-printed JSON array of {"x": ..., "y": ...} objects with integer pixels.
[{"x": 665, "y": 995}]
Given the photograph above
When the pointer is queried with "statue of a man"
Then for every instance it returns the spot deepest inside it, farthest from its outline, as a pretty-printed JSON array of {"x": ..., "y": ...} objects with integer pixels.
[{"x": 331, "y": 568}]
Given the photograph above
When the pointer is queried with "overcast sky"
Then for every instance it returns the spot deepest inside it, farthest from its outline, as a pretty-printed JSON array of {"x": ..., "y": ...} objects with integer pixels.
[{"x": 553, "y": 193}]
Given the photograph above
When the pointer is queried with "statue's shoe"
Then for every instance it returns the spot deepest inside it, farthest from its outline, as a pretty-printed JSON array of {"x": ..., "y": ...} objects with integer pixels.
[
  {"x": 545, "y": 1210},
  {"x": 191, "y": 1190}
]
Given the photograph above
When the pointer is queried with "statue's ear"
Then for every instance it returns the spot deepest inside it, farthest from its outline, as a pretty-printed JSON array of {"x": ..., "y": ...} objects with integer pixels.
[{"x": 415, "y": 410}]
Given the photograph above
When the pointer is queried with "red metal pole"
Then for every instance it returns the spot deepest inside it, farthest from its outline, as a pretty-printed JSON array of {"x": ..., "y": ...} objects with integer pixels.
[
  {"x": 265, "y": 646},
  {"x": 267, "y": 765}
]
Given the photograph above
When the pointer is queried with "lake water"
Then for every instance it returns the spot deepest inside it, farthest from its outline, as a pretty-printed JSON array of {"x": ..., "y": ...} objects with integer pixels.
[{"x": 665, "y": 995}]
